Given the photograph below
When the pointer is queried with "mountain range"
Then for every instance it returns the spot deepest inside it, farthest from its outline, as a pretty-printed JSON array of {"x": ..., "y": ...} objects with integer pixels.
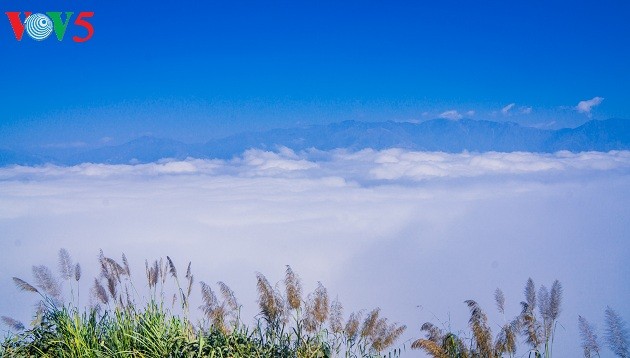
[{"x": 433, "y": 135}]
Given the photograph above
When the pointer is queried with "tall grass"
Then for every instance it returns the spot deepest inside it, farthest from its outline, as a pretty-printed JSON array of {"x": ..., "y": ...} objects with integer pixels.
[
  {"x": 119, "y": 323},
  {"x": 537, "y": 327}
]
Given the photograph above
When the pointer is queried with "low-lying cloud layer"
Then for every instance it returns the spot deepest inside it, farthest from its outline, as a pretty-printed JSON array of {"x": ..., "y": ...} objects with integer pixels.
[
  {"x": 365, "y": 166},
  {"x": 416, "y": 233}
]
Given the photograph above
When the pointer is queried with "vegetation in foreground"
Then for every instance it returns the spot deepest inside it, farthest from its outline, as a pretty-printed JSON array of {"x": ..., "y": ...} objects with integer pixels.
[
  {"x": 535, "y": 325},
  {"x": 119, "y": 323}
]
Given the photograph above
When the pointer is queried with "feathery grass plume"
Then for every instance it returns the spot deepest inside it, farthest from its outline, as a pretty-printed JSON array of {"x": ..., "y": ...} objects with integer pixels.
[
  {"x": 320, "y": 304},
  {"x": 98, "y": 291},
  {"x": 12, "y": 323},
  {"x": 434, "y": 333},
  {"x": 616, "y": 334},
  {"x": 530, "y": 294},
  {"x": 24, "y": 286},
  {"x": 190, "y": 279},
  {"x": 77, "y": 272},
  {"x": 370, "y": 323},
  {"x": 506, "y": 339},
  {"x": 544, "y": 303},
  {"x": 385, "y": 334},
  {"x": 590, "y": 343},
  {"x": 336, "y": 316},
  {"x": 154, "y": 274},
  {"x": 270, "y": 303},
  {"x": 210, "y": 301},
  {"x": 66, "y": 268},
  {"x": 46, "y": 281},
  {"x": 352, "y": 326},
  {"x": 116, "y": 270},
  {"x": 294, "y": 289},
  {"x": 171, "y": 267},
  {"x": 555, "y": 300},
  {"x": 499, "y": 298},
  {"x": 228, "y": 296},
  {"x": 127, "y": 271},
  {"x": 163, "y": 270},
  {"x": 393, "y": 332},
  {"x": 111, "y": 286},
  {"x": 481, "y": 332},
  {"x": 531, "y": 328},
  {"x": 432, "y": 348}
]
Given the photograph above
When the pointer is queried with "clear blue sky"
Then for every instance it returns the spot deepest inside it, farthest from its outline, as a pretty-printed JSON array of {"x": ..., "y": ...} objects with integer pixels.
[{"x": 192, "y": 70}]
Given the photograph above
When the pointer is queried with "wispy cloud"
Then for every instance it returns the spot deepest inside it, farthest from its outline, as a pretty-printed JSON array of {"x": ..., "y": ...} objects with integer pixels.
[
  {"x": 587, "y": 105},
  {"x": 365, "y": 166},
  {"x": 452, "y": 115},
  {"x": 526, "y": 110},
  {"x": 470, "y": 113},
  {"x": 506, "y": 110}
]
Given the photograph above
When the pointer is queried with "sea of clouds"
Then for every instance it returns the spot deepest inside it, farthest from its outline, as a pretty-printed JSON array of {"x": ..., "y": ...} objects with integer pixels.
[{"x": 415, "y": 233}]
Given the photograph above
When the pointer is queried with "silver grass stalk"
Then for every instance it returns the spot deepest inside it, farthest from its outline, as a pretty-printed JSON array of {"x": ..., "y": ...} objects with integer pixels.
[
  {"x": 555, "y": 300},
  {"x": 228, "y": 296},
  {"x": 127, "y": 271},
  {"x": 590, "y": 343},
  {"x": 336, "y": 316},
  {"x": 294, "y": 289},
  {"x": 12, "y": 323},
  {"x": 530, "y": 294},
  {"x": 77, "y": 272},
  {"x": 499, "y": 299},
  {"x": 171, "y": 267},
  {"x": 46, "y": 281},
  {"x": 616, "y": 334},
  {"x": 66, "y": 268},
  {"x": 24, "y": 286},
  {"x": 99, "y": 292}
]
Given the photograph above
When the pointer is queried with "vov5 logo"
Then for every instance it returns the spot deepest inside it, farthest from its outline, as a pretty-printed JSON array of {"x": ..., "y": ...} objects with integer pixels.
[{"x": 40, "y": 26}]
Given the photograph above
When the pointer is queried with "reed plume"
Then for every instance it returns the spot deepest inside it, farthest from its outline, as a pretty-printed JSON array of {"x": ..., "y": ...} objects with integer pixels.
[
  {"x": 616, "y": 334},
  {"x": 590, "y": 343},
  {"x": 46, "y": 281},
  {"x": 499, "y": 299},
  {"x": 336, "y": 316},
  {"x": 24, "y": 286},
  {"x": 320, "y": 304},
  {"x": 77, "y": 272},
  {"x": 171, "y": 267},
  {"x": 125, "y": 265},
  {"x": 370, "y": 323},
  {"x": 530, "y": 294},
  {"x": 293, "y": 288},
  {"x": 270, "y": 303},
  {"x": 479, "y": 324},
  {"x": 98, "y": 291},
  {"x": 352, "y": 326},
  {"x": 228, "y": 296},
  {"x": 555, "y": 300},
  {"x": 66, "y": 268},
  {"x": 12, "y": 323}
]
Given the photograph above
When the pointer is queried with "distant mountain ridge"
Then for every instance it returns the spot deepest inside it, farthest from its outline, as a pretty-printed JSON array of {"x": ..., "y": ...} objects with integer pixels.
[{"x": 433, "y": 135}]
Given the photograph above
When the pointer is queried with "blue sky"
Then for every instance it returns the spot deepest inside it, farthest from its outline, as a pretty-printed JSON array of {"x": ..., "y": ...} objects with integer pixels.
[{"x": 197, "y": 70}]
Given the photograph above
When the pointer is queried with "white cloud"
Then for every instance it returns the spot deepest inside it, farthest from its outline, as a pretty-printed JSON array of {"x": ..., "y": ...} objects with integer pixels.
[
  {"x": 587, "y": 105},
  {"x": 526, "y": 110},
  {"x": 452, "y": 115},
  {"x": 505, "y": 110},
  {"x": 470, "y": 113},
  {"x": 331, "y": 215}
]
